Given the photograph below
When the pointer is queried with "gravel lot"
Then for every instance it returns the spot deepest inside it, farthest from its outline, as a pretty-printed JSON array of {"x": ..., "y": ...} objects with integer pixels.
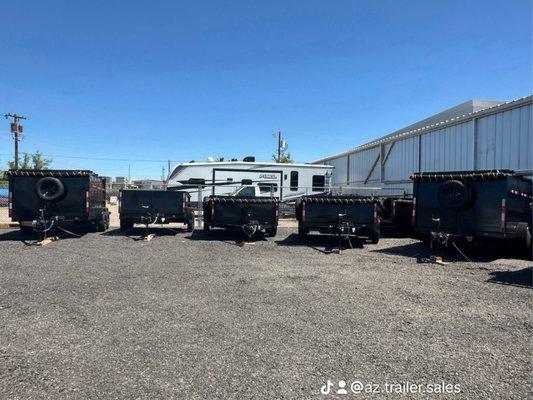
[{"x": 106, "y": 316}]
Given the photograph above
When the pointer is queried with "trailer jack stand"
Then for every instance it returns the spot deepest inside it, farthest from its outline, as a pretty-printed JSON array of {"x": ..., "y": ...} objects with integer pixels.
[
  {"x": 149, "y": 237},
  {"x": 48, "y": 240},
  {"x": 432, "y": 260}
]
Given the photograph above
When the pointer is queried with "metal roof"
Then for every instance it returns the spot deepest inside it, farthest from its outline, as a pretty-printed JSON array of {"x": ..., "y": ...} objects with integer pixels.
[{"x": 417, "y": 129}]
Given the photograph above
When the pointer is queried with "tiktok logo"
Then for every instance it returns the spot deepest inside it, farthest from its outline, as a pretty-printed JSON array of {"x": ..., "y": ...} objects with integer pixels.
[{"x": 326, "y": 389}]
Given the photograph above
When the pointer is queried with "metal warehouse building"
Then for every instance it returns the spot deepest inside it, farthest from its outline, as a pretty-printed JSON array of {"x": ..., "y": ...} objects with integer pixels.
[{"x": 475, "y": 135}]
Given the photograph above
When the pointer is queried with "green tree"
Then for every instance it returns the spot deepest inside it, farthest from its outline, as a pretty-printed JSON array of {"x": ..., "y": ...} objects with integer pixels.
[
  {"x": 39, "y": 162},
  {"x": 285, "y": 158},
  {"x": 32, "y": 161},
  {"x": 3, "y": 183},
  {"x": 25, "y": 164}
]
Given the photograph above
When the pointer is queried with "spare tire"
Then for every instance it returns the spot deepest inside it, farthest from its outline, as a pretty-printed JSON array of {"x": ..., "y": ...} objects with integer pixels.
[
  {"x": 50, "y": 189},
  {"x": 455, "y": 195}
]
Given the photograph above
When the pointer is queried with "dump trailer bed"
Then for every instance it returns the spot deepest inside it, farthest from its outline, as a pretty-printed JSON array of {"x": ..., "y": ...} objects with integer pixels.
[
  {"x": 473, "y": 205},
  {"x": 348, "y": 215},
  {"x": 153, "y": 206},
  {"x": 39, "y": 200},
  {"x": 249, "y": 214}
]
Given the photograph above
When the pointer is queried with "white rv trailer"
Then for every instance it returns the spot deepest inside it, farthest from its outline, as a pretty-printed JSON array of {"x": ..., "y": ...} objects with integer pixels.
[{"x": 286, "y": 181}]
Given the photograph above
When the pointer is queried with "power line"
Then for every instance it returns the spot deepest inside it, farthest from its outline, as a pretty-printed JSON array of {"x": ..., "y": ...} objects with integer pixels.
[{"x": 102, "y": 158}]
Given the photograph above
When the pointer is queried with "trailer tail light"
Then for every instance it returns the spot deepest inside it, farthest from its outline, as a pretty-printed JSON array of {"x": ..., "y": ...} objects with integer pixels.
[
  {"x": 183, "y": 204},
  {"x": 303, "y": 211},
  {"x": 212, "y": 210},
  {"x": 375, "y": 214},
  {"x": 502, "y": 216},
  {"x": 10, "y": 205},
  {"x": 413, "y": 213},
  {"x": 87, "y": 202}
]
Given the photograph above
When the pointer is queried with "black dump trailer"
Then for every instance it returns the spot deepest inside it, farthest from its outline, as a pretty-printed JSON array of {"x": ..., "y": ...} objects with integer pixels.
[
  {"x": 153, "y": 206},
  {"x": 396, "y": 213},
  {"x": 340, "y": 215},
  {"x": 43, "y": 199},
  {"x": 473, "y": 205},
  {"x": 248, "y": 214}
]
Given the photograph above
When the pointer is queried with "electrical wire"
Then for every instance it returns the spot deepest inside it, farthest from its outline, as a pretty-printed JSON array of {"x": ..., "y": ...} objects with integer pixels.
[
  {"x": 460, "y": 252},
  {"x": 69, "y": 232}
]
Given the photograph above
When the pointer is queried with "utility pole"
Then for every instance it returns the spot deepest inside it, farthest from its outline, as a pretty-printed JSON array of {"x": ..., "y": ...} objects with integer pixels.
[
  {"x": 279, "y": 144},
  {"x": 168, "y": 174},
  {"x": 16, "y": 131}
]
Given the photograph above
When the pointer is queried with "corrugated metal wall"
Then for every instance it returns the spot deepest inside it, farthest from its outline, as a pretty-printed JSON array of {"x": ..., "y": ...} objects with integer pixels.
[
  {"x": 501, "y": 137},
  {"x": 504, "y": 140},
  {"x": 402, "y": 160},
  {"x": 360, "y": 164},
  {"x": 448, "y": 149},
  {"x": 340, "y": 171}
]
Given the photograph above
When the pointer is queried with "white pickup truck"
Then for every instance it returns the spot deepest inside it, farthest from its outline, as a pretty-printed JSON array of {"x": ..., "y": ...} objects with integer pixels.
[{"x": 259, "y": 190}]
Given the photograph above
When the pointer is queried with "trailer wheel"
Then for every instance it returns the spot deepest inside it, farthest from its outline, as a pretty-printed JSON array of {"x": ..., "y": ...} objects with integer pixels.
[
  {"x": 190, "y": 226},
  {"x": 454, "y": 195},
  {"x": 302, "y": 233},
  {"x": 272, "y": 231},
  {"x": 524, "y": 235},
  {"x": 125, "y": 225},
  {"x": 206, "y": 228},
  {"x": 103, "y": 223},
  {"x": 50, "y": 189},
  {"x": 374, "y": 237}
]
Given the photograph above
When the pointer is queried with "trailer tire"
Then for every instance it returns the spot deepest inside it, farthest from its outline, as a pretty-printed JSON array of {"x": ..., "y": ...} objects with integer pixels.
[
  {"x": 190, "y": 226},
  {"x": 103, "y": 223},
  {"x": 272, "y": 231},
  {"x": 50, "y": 189},
  {"x": 454, "y": 195},
  {"x": 374, "y": 237},
  {"x": 125, "y": 225},
  {"x": 206, "y": 228},
  {"x": 523, "y": 233}
]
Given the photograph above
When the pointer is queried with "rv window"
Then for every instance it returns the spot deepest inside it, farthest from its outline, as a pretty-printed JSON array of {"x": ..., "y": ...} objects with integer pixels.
[
  {"x": 196, "y": 181},
  {"x": 230, "y": 179},
  {"x": 247, "y": 191},
  {"x": 246, "y": 182},
  {"x": 294, "y": 180},
  {"x": 319, "y": 181},
  {"x": 265, "y": 187}
]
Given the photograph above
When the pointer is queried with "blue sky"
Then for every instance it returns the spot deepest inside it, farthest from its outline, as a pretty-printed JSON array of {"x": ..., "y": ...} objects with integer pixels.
[{"x": 158, "y": 80}]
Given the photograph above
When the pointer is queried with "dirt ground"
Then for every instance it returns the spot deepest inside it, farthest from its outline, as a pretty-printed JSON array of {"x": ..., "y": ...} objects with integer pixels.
[{"x": 193, "y": 316}]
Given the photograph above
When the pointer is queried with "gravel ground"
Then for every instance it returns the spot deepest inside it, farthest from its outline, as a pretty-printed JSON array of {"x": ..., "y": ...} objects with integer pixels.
[{"x": 184, "y": 316}]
